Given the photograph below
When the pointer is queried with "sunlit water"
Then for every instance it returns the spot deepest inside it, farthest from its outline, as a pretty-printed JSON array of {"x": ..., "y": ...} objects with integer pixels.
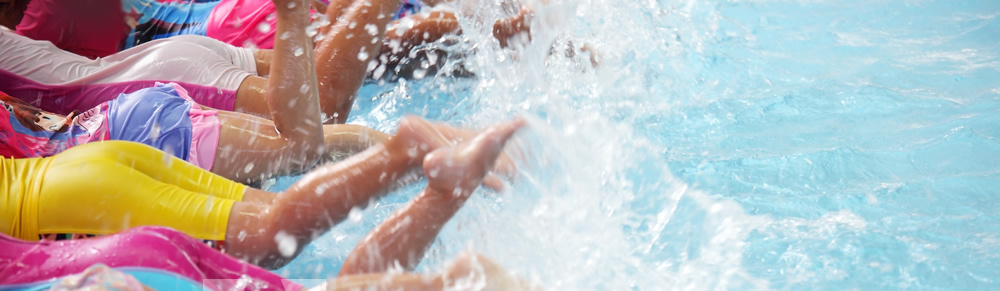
[{"x": 725, "y": 145}]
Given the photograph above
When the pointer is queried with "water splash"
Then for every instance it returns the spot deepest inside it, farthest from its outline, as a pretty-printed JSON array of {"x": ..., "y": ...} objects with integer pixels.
[{"x": 724, "y": 144}]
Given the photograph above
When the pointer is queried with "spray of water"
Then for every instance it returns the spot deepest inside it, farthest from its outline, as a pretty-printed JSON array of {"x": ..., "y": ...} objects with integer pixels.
[
  {"x": 594, "y": 206},
  {"x": 742, "y": 90}
]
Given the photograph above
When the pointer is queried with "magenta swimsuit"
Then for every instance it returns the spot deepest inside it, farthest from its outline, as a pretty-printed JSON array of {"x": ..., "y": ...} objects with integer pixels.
[{"x": 145, "y": 247}]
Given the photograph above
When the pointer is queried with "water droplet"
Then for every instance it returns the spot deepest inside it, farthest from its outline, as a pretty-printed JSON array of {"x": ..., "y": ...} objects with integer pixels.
[
  {"x": 154, "y": 131},
  {"x": 419, "y": 74},
  {"x": 304, "y": 88},
  {"x": 432, "y": 58},
  {"x": 291, "y": 5},
  {"x": 311, "y": 30},
  {"x": 247, "y": 44},
  {"x": 377, "y": 74},
  {"x": 363, "y": 55},
  {"x": 299, "y": 51},
  {"x": 242, "y": 236},
  {"x": 355, "y": 214},
  {"x": 286, "y": 244},
  {"x": 352, "y": 25},
  {"x": 395, "y": 45},
  {"x": 248, "y": 168},
  {"x": 371, "y": 29},
  {"x": 264, "y": 27},
  {"x": 285, "y": 35},
  {"x": 321, "y": 189}
]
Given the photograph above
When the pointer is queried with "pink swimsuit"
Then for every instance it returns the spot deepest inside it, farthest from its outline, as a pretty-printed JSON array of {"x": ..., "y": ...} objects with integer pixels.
[
  {"x": 91, "y": 28},
  {"x": 149, "y": 247}
]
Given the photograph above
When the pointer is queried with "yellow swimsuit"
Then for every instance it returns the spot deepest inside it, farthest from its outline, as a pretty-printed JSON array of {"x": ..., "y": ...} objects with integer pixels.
[{"x": 106, "y": 187}]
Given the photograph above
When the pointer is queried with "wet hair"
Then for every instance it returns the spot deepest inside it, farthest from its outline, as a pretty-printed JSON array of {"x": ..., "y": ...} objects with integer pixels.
[{"x": 26, "y": 114}]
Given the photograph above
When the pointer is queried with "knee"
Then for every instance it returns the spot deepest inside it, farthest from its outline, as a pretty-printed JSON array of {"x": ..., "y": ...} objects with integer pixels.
[
  {"x": 338, "y": 108},
  {"x": 306, "y": 150},
  {"x": 267, "y": 245}
]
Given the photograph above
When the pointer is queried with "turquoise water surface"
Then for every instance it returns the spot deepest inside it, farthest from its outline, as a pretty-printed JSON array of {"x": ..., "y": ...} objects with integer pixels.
[{"x": 724, "y": 145}]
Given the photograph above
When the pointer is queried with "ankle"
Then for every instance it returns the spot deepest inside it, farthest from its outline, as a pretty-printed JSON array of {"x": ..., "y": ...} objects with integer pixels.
[{"x": 412, "y": 152}]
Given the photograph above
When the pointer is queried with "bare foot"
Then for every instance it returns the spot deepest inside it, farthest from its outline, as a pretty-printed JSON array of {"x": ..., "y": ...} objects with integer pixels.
[
  {"x": 471, "y": 268},
  {"x": 504, "y": 30},
  {"x": 461, "y": 168},
  {"x": 418, "y": 137},
  {"x": 505, "y": 163}
]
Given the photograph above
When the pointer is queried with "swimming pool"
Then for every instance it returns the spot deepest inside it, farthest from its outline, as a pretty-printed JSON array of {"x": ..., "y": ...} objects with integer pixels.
[{"x": 727, "y": 144}]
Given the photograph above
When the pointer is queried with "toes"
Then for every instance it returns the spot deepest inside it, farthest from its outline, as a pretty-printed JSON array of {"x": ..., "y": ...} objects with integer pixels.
[
  {"x": 505, "y": 130},
  {"x": 493, "y": 182},
  {"x": 466, "y": 165},
  {"x": 495, "y": 137}
]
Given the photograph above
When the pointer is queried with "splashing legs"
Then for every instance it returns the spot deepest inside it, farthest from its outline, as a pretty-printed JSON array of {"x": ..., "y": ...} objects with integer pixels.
[
  {"x": 469, "y": 271},
  {"x": 251, "y": 149},
  {"x": 453, "y": 173},
  {"x": 325, "y": 197},
  {"x": 343, "y": 55}
]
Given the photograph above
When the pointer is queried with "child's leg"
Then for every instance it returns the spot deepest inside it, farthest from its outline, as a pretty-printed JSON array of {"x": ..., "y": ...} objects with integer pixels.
[
  {"x": 418, "y": 29},
  {"x": 333, "y": 12},
  {"x": 342, "y": 56},
  {"x": 326, "y": 195},
  {"x": 272, "y": 235},
  {"x": 453, "y": 173},
  {"x": 106, "y": 187},
  {"x": 291, "y": 90},
  {"x": 468, "y": 269},
  {"x": 251, "y": 149},
  {"x": 155, "y": 164}
]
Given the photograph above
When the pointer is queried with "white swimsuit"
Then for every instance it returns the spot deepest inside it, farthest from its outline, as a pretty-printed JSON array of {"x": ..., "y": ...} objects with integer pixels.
[{"x": 60, "y": 81}]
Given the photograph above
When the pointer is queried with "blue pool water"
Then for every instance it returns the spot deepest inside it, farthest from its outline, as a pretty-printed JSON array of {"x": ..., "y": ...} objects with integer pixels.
[{"x": 725, "y": 145}]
